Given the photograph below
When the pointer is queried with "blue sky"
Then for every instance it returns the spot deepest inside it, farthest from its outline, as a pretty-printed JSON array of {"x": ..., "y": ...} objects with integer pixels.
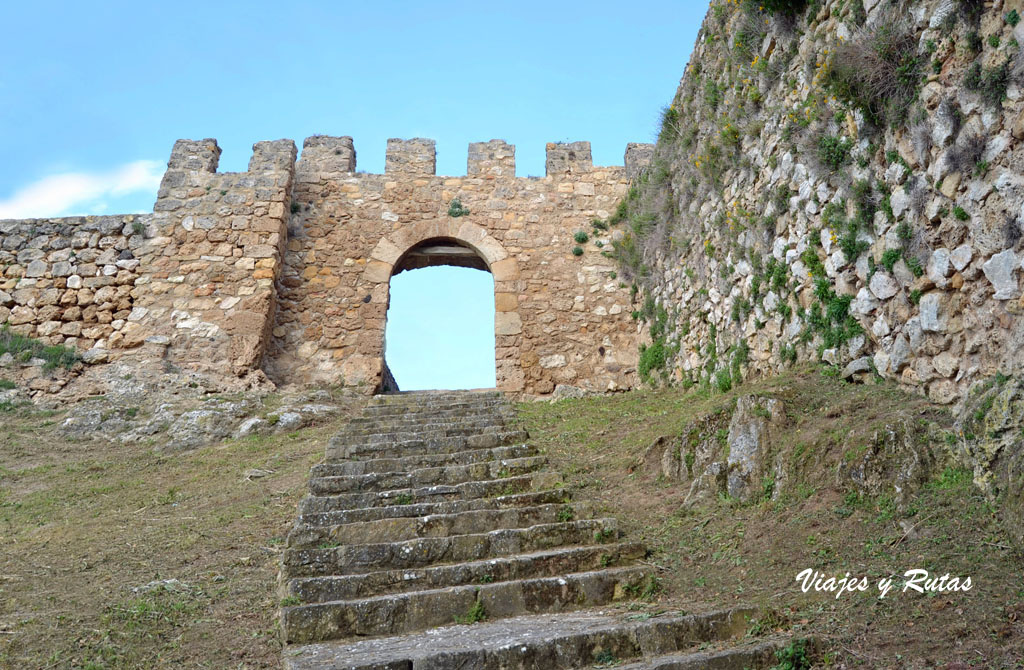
[{"x": 95, "y": 94}]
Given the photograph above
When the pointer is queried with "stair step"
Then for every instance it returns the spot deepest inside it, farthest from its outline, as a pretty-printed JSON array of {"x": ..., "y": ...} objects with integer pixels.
[
  {"x": 401, "y": 613},
  {"x": 349, "y": 468},
  {"x": 399, "y": 529},
  {"x": 338, "y": 450},
  {"x": 548, "y": 563},
  {"x": 422, "y": 552},
  {"x": 414, "y": 432},
  {"x": 363, "y": 514},
  {"x": 540, "y": 642},
  {"x": 355, "y": 428},
  {"x": 448, "y": 474},
  {"x": 431, "y": 494},
  {"x": 438, "y": 408},
  {"x": 746, "y": 656}
]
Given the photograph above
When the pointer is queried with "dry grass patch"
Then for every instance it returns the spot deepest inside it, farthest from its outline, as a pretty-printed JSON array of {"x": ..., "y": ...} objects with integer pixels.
[{"x": 115, "y": 556}]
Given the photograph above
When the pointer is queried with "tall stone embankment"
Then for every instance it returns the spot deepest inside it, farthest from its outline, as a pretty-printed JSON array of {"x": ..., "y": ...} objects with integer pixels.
[{"x": 839, "y": 181}]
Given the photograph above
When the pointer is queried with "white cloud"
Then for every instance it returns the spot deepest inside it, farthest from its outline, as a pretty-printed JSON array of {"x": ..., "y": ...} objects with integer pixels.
[{"x": 75, "y": 193}]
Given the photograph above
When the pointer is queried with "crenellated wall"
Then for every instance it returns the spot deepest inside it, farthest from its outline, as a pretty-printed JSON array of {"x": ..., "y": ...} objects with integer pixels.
[
  {"x": 285, "y": 268},
  {"x": 559, "y": 318}
]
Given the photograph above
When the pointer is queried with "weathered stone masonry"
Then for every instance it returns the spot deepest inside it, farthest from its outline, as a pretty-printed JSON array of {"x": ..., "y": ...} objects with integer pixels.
[{"x": 286, "y": 267}]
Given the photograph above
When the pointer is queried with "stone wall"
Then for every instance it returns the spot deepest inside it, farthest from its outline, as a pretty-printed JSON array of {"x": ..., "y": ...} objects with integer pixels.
[
  {"x": 212, "y": 256},
  {"x": 781, "y": 222},
  {"x": 69, "y": 281},
  {"x": 285, "y": 268}
]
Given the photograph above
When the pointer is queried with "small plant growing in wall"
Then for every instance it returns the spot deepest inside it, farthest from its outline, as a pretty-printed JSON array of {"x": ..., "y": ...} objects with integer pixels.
[
  {"x": 577, "y": 251},
  {"x": 581, "y": 237},
  {"x": 456, "y": 209}
]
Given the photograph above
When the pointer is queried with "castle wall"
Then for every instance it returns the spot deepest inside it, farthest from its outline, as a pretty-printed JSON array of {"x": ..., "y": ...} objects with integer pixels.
[
  {"x": 802, "y": 230},
  {"x": 285, "y": 268}
]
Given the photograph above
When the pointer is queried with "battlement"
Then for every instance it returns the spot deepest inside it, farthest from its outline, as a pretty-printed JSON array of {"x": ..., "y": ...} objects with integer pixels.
[{"x": 327, "y": 155}]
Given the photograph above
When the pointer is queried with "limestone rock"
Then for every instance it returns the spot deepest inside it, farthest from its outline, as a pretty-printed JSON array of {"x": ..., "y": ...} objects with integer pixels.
[
  {"x": 749, "y": 442},
  {"x": 999, "y": 270}
]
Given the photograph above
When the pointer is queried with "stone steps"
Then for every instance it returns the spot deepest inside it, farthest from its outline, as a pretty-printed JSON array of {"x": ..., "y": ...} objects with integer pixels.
[
  {"x": 433, "y": 508},
  {"x": 548, "y": 563},
  {"x": 395, "y": 614},
  {"x": 424, "y": 445},
  {"x": 407, "y": 428},
  {"x": 753, "y": 654},
  {"x": 402, "y": 463},
  {"x": 443, "y": 475},
  {"x": 568, "y": 640}
]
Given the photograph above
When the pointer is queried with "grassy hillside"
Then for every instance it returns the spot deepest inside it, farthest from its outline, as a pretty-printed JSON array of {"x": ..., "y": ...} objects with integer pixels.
[
  {"x": 90, "y": 532},
  {"x": 721, "y": 551}
]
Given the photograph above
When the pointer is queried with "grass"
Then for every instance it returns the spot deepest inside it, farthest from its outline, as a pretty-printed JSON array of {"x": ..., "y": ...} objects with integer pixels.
[
  {"x": 878, "y": 72},
  {"x": 990, "y": 82},
  {"x": 83, "y": 527},
  {"x": 26, "y": 348},
  {"x": 719, "y": 551}
]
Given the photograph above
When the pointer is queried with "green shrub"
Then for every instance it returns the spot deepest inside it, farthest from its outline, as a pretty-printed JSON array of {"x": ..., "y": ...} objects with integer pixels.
[
  {"x": 6, "y": 384},
  {"x": 890, "y": 257},
  {"x": 652, "y": 357},
  {"x": 974, "y": 42},
  {"x": 785, "y": 7},
  {"x": 712, "y": 94},
  {"x": 580, "y": 237},
  {"x": 915, "y": 265},
  {"x": 669, "y": 124},
  {"x": 960, "y": 213},
  {"x": 990, "y": 82},
  {"x": 474, "y": 614},
  {"x": 794, "y": 656},
  {"x": 834, "y": 151},
  {"x": 577, "y": 251},
  {"x": 1013, "y": 17},
  {"x": 455, "y": 208},
  {"x": 993, "y": 41}
]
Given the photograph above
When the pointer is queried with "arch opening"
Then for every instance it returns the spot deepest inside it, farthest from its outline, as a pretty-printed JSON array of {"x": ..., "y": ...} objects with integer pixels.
[{"x": 439, "y": 326}]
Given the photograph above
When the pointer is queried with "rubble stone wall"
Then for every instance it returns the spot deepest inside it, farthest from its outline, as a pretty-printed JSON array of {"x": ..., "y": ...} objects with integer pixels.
[
  {"x": 69, "y": 281},
  {"x": 789, "y": 224}
]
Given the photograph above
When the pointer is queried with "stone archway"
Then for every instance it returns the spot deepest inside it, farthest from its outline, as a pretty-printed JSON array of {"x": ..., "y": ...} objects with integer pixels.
[{"x": 434, "y": 242}]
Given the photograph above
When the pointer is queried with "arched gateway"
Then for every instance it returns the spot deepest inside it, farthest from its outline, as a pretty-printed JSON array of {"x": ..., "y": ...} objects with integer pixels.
[
  {"x": 452, "y": 241},
  {"x": 285, "y": 268}
]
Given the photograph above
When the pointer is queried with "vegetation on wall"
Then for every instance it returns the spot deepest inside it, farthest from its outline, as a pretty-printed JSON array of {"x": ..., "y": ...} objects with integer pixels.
[{"x": 26, "y": 348}]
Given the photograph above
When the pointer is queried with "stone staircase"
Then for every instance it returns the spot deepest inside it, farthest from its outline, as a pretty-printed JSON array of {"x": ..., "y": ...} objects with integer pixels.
[{"x": 431, "y": 512}]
